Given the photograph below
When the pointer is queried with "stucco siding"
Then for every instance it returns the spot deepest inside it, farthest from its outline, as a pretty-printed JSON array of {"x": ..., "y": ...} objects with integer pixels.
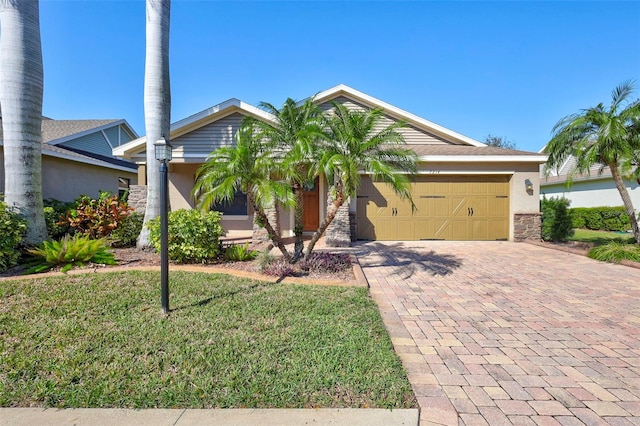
[
  {"x": 202, "y": 141},
  {"x": 94, "y": 142},
  {"x": 593, "y": 193},
  {"x": 411, "y": 133},
  {"x": 65, "y": 180}
]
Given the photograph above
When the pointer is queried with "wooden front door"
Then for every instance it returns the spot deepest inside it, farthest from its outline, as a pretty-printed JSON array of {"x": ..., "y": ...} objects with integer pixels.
[{"x": 311, "y": 200}]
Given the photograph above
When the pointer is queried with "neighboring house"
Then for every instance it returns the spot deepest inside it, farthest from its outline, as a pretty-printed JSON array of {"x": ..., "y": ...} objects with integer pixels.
[
  {"x": 77, "y": 158},
  {"x": 465, "y": 190},
  {"x": 596, "y": 189}
]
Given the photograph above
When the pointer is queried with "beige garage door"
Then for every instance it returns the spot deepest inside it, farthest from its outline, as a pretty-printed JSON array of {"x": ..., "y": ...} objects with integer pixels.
[{"x": 448, "y": 208}]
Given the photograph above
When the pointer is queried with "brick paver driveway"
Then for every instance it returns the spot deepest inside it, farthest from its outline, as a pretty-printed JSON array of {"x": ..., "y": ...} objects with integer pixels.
[{"x": 510, "y": 333}]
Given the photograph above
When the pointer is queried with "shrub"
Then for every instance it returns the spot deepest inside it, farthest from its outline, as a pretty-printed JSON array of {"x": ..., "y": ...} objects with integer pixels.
[
  {"x": 126, "y": 234},
  {"x": 601, "y": 218},
  {"x": 326, "y": 262},
  {"x": 12, "y": 230},
  {"x": 70, "y": 251},
  {"x": 194, "y": 237},
  {"x": 616, "y": 251},
  {"x": 265, "y": 258},
  {"x": 55, "y": 214},
  {"x": 239, "y": 253},
  {"x": 278, "y": 268},
  {"x": 97, "y": 218},
  {"x": 556, "y": 220}
]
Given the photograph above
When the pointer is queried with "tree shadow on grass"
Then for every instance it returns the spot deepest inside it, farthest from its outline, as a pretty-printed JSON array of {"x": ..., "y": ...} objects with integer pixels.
[
  {"x": 405, "y": 259},
  {"x": 217, "y": 296}
]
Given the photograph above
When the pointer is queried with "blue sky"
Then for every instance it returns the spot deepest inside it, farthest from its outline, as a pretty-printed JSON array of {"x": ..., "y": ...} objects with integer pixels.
[{"x": 510, "y": 69}]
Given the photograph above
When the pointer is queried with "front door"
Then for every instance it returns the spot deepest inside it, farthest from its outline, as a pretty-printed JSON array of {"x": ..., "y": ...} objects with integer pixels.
[{"x": 311, "y": 200}]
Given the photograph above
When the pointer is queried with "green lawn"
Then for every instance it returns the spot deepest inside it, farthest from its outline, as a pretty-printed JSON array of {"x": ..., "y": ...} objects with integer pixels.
[
  {"x": 100, "y": 340},
  {"x": 600, "y": 237}
]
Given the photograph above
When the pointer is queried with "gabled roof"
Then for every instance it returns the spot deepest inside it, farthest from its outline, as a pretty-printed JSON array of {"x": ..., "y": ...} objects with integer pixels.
[
  {"x": 55, "y": 132},
  {"x": 395, "y": 112},
  {"x": 197, "y": 120},
  {"x": 465, "y": 148}
]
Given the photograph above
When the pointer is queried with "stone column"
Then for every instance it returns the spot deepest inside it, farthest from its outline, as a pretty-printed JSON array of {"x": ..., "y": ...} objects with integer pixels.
[
  {"x": 260, "y": 234},
  {"x": 138, "y": 198},
  {"x": 527, "y": 226}
]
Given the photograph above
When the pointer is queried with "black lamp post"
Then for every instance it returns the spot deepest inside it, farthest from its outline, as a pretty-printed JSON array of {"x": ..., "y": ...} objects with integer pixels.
[{"x": 163, "y": 155}]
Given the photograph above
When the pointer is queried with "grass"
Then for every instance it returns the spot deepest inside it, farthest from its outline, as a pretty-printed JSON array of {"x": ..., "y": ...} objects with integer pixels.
[
  {"x": 600, "y": 237},
  {"x": 100, "y": 340},
  {"x": 615, "y": 252}
]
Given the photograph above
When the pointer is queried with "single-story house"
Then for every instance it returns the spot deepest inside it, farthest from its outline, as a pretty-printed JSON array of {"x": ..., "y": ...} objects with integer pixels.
[
  {"x": 595, "y": 189},
  {"x": 77, "y": 158},
  {"x": 465, "y": 190}
]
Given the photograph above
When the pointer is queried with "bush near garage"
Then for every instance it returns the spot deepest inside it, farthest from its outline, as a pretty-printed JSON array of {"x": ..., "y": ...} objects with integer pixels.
[
  {"x": 556, "y": 219},
  {"x": 600, "y": 218}
]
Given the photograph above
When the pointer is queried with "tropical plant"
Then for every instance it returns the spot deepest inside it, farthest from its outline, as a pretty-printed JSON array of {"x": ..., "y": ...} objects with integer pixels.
[
  {"x": 21, "y": 87},
  {"x": 157, "y": 102},
  {"x": 293, "y": 136},
  {"x": 278, "y": 268},
  {"x": 97, "y": 218},
  {"x": 239, "y": 253},
  {"x": 71, "y": 251},
  {"x": 247, "y": 166},
  {"x": 608, "y": 136},
  {"x": 326, "y": 262},
  {"x": 194, "y": 236},
  {"x": 55, "y": 217},
  {"x": 358, "y": 141},
  {"x": 12, "y": 230},
  {"x": 616, "y": 251}
]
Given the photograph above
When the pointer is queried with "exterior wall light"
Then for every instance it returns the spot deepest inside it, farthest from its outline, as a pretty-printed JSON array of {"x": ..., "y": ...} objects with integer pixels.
[{"x": 528, "y": 185}]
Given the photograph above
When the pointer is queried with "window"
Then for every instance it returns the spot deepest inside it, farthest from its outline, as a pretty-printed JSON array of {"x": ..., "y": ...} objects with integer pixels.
[
  {"x": 236, "y": 207},
  {"x": 123, "y": 186}
]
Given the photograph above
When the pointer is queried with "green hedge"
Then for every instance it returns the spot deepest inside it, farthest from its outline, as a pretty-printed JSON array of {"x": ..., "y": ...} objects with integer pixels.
[
  {"x": 12, "y": 229},
  {"x": 600, "y": 218}
]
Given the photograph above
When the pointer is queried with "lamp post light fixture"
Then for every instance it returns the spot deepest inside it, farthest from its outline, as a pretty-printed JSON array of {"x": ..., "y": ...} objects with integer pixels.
[{"x": 164, "y": 155}]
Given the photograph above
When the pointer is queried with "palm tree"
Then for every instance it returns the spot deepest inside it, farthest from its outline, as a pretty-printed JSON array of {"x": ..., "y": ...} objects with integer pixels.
[
  {"x": 246, "y": 166},
  {"x": 292, "y": 137},
  {"x": 601, "y": 135},
  {"x": 157, "y": 102},
  {"x": 357, "y": 141},
  {"x": 21, "y": 86}
]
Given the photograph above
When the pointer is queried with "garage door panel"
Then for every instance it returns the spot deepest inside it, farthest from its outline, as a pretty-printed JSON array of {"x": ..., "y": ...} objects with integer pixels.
[{"x": 448, "y": 207}]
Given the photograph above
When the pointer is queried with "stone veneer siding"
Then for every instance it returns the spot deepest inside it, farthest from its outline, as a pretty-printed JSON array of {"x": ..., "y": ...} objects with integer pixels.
[
  {"x": 260, "y": 234},
  {"x": 527, "y": 226},
  {"x": 138, "y": 198}
]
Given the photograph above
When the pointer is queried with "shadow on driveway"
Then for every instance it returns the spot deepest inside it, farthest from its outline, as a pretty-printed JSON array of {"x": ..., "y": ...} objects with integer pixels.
[{"x": 406, "y": 260}]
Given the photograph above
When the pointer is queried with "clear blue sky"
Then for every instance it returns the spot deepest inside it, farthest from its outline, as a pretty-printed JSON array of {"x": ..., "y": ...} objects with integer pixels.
[{"x": 512, "y": 69}]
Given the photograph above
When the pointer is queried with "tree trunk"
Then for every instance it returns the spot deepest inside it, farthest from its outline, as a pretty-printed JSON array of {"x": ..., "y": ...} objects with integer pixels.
[
  {"x": 331, "y": 214},
  {"x": 298, "y": 219},
  {"x": 21, "y": 86},
  {"x": 275, "y": 237},
  {"x": 626, "y": 200},
  {"x": 157, "y": 103}
]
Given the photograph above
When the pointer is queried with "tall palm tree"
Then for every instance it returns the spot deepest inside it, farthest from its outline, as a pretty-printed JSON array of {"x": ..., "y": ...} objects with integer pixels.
[
  {"x": 358, "y": 142},
  {"x": 246, "y": 166},
  {"x": 21, "y": 86},
  {"x": 293, "y": 138},
  {"x": 601, "y": 135},
  {"x": 157, "y": 102}
]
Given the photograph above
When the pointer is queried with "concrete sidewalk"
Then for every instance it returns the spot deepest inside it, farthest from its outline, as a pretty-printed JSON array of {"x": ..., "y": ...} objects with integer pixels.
[{"x": 190, "y": 417}]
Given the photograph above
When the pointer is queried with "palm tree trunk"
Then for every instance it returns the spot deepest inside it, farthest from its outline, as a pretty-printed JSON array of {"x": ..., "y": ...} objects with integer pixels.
[
  {"x": 298, "y": 216},
  {"x": 21, "y": 87},
  {"x": 157, "y": 102},
  {"x": 626, "y": 200},
  {"x": 331, "y": 214},
  {"x": 263, "y": 219}
]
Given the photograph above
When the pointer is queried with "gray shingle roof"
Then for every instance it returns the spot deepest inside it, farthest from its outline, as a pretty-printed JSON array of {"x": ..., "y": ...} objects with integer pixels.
[{"x": 444, "y": 149}]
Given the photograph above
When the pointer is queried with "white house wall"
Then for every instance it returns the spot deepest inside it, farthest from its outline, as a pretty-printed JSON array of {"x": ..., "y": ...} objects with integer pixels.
[{"x": 593, "y": 193}]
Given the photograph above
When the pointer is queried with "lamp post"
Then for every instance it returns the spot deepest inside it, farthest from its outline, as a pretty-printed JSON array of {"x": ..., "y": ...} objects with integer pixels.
[{"x": 163, "y": 155}]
